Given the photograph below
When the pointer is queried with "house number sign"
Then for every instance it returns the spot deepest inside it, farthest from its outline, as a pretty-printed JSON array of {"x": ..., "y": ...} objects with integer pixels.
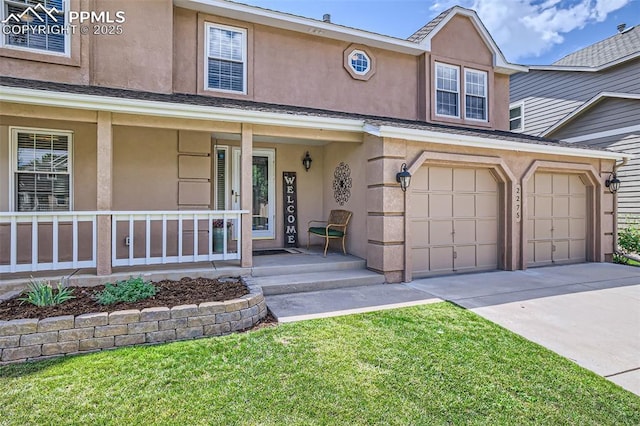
[
  {"x": 290, "y": 209},
  {"x": 517, "y": 202}
]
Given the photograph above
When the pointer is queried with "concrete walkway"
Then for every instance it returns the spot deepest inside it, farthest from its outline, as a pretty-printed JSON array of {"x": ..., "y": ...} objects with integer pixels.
[{"x": 589, "y": 313}]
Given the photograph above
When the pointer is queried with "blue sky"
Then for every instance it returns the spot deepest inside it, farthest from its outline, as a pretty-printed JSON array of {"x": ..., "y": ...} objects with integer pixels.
[{"x": 528, "y": 31}]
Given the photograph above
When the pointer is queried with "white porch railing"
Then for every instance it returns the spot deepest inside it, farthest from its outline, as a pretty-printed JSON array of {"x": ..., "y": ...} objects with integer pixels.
[
  {"x": 160, "y": 237},
  {"x": 43, "y": 252}
]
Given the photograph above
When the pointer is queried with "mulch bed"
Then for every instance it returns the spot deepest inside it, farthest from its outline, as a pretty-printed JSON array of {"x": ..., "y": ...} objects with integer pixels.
[{"x": 187, "y": 291}]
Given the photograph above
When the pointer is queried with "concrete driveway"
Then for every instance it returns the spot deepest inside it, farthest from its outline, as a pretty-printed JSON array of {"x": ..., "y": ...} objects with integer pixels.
[{"x": 589, "y": 313}]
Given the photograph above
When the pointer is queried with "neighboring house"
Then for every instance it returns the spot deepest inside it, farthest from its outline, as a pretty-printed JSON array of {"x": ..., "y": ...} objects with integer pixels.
[
  {"x": 153, "y": 143},
  {"x": 591, "y": 97}
]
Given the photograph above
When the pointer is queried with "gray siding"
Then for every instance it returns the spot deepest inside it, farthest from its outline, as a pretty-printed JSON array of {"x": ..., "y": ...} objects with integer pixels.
[
  {"x": 608, "y": 114},
  {"x": 551, "y": 95}
]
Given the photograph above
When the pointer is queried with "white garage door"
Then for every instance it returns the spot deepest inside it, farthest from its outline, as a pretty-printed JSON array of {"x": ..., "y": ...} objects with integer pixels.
[
  {"x": 454, "y": 220},
  {"x": 556, "y": 219}
]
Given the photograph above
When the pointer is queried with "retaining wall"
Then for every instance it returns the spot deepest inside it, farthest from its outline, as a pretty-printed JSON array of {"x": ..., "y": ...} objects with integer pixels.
[{"x": 32, "y": 339}]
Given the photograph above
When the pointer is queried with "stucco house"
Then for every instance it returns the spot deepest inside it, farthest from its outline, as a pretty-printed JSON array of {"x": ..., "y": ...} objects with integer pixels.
[
  {"x": 591, "y": 97},
  {"x": 149, "y": 139}
]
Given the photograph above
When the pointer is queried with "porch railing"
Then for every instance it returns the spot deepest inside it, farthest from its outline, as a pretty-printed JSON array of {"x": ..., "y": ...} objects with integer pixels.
[
  {"x": 40, "y": 241},
  {"x": 162, "y": 237},
  {"x": 49, "y": 241}
]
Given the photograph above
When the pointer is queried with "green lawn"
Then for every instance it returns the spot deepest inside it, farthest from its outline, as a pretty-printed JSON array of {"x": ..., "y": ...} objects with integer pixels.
[{"x": 435, "y": 364}]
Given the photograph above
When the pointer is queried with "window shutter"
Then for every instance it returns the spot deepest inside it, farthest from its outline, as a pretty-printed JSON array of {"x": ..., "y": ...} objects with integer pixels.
[{"x": 220, "y": 184}]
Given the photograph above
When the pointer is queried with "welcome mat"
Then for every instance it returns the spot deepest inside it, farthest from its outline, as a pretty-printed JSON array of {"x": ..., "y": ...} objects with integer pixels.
[{"x": 275, "y": 251}]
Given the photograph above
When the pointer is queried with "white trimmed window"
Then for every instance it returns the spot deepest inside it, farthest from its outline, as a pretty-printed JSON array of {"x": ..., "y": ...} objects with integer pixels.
[
  {"x": 41, "y": 170},
  {"x": 226, "y": 58},
  {"x": 38, "y": 25},
  {"x": 475, "y": 91},
  {"x": 447, "y": 90},
  {"x": 359, "y": 62},
  {"x": 516, "y": 116}
]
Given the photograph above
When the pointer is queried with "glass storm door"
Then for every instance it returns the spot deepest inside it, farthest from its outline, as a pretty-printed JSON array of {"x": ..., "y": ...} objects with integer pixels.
[{"x": 263, "y": 191}]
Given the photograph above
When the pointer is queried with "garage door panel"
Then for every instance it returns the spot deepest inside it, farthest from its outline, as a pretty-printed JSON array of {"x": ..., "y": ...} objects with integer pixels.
[
  {"x": 577, "y": 228},
  {"x": 465, "y": 231},
  {"x": 487, "y": 231},
  {"x": 561, "y": 252},
  {"x": 487, "y": 205},
  {"x": 576, "y": 186},
  {"x": 440, "y": 179},
  {"x": 464, "y": 205},
  {"x": 543, "y": 183},
  {"x": 421, "y": 259},
  {"x": 465, "y": 257},
  {"x": 543, "y": 206},
  {"x": 542, "y": 251},
  {"x": 561, "y": 206},
  {"x": 441, "y": 205},
  {"x": 441, "y": 259},
  {"x": 464, "y": 180},
  {"x": 485, "y": 182},
  {"x": 441, "y": 232},
  {"x": 542, "y": 229},
  {"x": 420, "y": 230},
  {"x": 577, "y": 207},
  {"x": 420, "y": 205},
  {"x": 577, "y": 250},
  {"x": 531, "y": 251},
  {"x": 560, "y": 184},
  {"x": 487, "y": 256},
  {"x": 560, "y": 228},
  {"x": 420, "y": 180}
]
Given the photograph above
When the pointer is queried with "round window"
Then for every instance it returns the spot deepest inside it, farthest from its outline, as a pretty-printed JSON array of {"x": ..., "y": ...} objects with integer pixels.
[{"x": 359, "y": 62}]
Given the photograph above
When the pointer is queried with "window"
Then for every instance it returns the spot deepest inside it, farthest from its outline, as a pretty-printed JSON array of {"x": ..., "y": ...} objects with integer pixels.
[
  {"x": 359, "y": 62},
  {"x": 475, "y": 90},
  {"x": 447, "y": 90},
  {"x": 41, "y": 170},
  {"x": 516, "y": 117},
  {"x": 226, "y": 58},
  {"x": 35, "y": 25}
]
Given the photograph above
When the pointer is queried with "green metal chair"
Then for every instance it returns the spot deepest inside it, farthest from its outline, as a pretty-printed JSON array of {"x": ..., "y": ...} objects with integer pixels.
[{"x": 335, "y": 227}]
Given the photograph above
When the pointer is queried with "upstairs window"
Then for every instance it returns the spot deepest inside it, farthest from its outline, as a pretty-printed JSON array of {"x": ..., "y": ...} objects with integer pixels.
[
  {"x": 515, "y": 117},
  {"x": 359, "y": 62},
  {"x": 41, "y": 170},
  {"x": 38, "y": 25},
  {"x": 226, "y": 64},
  {"x": 475, "y": 89},
  {"x": 447, "y": 90}
]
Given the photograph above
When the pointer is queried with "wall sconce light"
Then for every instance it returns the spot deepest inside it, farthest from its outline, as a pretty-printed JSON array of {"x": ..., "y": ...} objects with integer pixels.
[
  {"x": 306, "y": 161},
  {"x": 613, "y": 183},
  {"x": 403, "y": 177}
]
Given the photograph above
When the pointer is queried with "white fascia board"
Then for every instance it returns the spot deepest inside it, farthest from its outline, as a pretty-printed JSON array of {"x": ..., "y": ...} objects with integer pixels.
[
  {"x": 173, "y": 110},
  {"x": 584, "y": 69},
  {"x": 300, "y": 24},
  {"x": 431, "y": 136},
  {"x": 499, "y": 61},
  {"x": 584, "y": 107}
]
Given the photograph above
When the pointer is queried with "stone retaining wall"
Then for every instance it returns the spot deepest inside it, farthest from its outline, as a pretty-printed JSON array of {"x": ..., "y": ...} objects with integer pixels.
[{"x": 32, "y": 339}]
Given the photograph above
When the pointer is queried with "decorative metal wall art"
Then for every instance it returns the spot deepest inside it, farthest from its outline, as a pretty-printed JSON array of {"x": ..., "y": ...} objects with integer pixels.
[{"x": 342, "y": 184}]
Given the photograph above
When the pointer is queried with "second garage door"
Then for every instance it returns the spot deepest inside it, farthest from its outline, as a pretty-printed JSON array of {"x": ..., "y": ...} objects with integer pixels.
[
  {"x": 454, "y": 220},
  {"x": 556, "y": 219}
]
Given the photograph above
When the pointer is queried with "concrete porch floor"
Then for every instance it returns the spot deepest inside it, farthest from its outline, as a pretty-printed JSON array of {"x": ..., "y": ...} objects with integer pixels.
[{"x": 272, "y": 264}]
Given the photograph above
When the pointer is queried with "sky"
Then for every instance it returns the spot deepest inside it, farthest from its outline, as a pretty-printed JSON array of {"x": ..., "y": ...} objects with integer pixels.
[{"x": 529, "y": 32}]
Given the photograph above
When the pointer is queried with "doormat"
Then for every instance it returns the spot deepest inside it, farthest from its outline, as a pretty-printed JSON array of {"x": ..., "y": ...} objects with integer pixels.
[{"x": 275, "y": 251}]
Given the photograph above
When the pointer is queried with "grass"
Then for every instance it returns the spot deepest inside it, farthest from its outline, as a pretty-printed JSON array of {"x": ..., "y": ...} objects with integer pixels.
[{"x": 435, "y": 364}]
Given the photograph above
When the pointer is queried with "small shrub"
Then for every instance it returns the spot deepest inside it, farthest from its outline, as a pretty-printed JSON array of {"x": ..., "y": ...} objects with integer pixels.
[
  {"x": 130, "y": 290},
  {"x": 41, "y": 293},
  {"x": 629, "y": 238}
]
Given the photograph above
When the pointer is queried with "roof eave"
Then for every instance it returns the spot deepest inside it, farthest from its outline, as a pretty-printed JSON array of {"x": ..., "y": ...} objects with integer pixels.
[
  {"x": 585, "y": 69},
  {"x": 300, "y": 24}
]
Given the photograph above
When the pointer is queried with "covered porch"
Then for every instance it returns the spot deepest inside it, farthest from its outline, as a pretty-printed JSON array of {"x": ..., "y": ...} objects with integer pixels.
[{"x": 152, "y": 186}]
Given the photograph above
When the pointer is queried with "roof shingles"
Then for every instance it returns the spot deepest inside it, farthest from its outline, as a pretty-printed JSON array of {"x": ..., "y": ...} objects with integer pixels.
[{"x": 606, "y": 51}]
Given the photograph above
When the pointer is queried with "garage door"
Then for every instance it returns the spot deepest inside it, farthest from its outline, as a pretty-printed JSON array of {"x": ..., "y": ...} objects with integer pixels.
[
  {"x": 556, "y": 219},
  {"x": 454, "y": 220}
]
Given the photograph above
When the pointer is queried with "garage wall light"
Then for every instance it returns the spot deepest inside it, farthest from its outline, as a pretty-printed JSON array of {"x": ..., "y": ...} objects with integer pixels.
[
  {"x": 613, "y": 183},
  {"x": 306, "y": 161},
  {"x": 403, "y": 177}
]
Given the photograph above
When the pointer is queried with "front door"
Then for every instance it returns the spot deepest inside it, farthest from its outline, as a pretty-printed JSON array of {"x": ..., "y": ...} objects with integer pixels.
[{"x": 263, "y": 194}]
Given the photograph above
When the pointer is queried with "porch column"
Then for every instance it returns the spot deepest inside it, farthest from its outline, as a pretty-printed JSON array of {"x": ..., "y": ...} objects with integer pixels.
[
  {"x": 246, "y": 192},
  {"x": 104, "y": 170}
]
